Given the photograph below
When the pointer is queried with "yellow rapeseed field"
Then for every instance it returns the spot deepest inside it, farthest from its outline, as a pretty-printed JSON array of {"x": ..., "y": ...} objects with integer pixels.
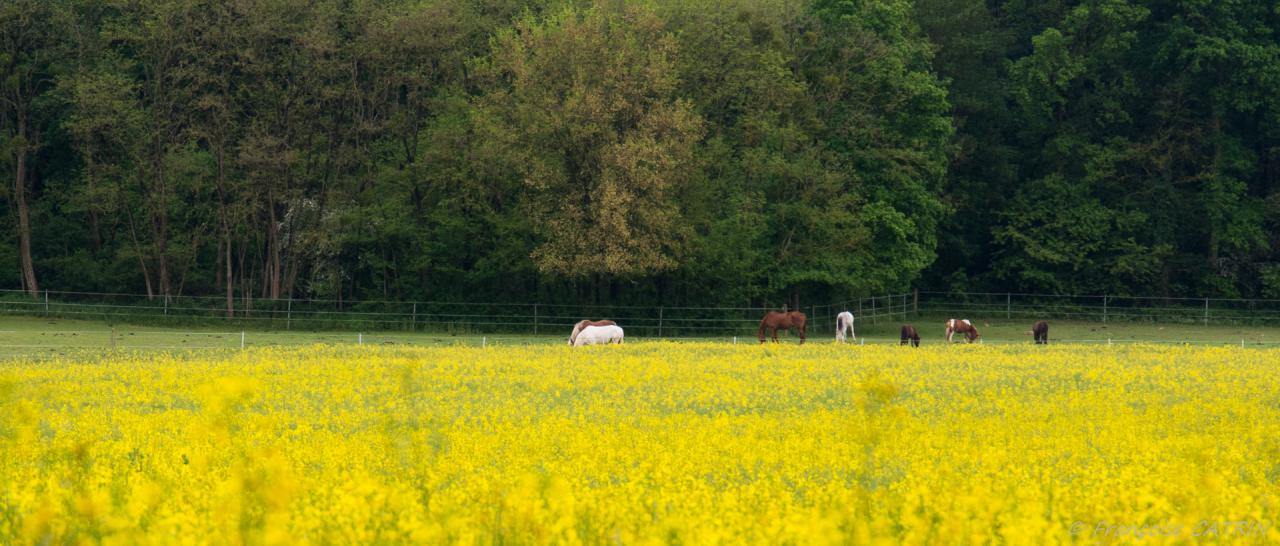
[{"x": 645, "y": 443}]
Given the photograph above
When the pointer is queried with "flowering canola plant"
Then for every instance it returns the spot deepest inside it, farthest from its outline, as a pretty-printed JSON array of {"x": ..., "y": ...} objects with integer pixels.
[{"x": 645, "y": 443}]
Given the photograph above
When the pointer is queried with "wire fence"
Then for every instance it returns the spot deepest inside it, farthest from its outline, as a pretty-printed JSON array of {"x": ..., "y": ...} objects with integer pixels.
[
  {"x": 251, "y": 323},
  {"x": 1100, "y": 308},
  {"x": 453, "y": 318}
]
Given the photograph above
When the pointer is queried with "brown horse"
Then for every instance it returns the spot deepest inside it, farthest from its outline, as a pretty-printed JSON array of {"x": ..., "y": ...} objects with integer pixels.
[
  {"x": 910, "y": 335},
  {"x": 1041, "y": 332},
  {"x": 786, "y": 321},
  {"x": 573, "y": 336},
  {"x": 962, "y": 326}
]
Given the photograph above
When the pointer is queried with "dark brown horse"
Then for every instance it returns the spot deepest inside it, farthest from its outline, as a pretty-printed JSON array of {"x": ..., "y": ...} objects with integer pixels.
[
  {"x": 585, "y": 323},
  {"x": 910, "y": 335},
  {"x": 786, "y": 321},
  {"x": 1041, "y": 332}
]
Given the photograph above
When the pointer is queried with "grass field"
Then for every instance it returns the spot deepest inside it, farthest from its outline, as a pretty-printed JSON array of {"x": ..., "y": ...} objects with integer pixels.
[
  {"x": 646, "y": 443},
  {"x": 23, "y": 336},
  {"x": 1001, "y": 330}
]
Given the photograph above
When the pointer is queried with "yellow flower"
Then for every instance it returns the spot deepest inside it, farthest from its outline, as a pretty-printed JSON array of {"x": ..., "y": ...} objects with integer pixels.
[{"x": 646, "y": 443}]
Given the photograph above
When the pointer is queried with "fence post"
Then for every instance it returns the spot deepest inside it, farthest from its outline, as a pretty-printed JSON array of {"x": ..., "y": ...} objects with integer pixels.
[
  {"x": 535, "y": 319},
  {"x": 1206, "y": 311},
  {"x": 660, "y": 312},
  {"x": 242, "y": 340},
  {"x": 873, "y": 309},
  {"x": 46, "y": 301},
  {"x": 359, "y": 338},
  {"x": 1008, "y": 305},
  {"x": 288, "y": 314},
  {"x": 1104, "y": 308},
  {"x": 413, "y": 318},
  {"x": 113, "y": 338},
  {"x": 166, "y": 305}
]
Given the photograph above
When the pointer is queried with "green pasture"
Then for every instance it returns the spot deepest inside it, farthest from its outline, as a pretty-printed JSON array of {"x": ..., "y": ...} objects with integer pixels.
[{"x": 22, "y": 336}]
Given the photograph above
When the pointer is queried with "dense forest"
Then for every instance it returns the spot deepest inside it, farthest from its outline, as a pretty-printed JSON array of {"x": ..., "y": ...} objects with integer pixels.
[{"x": 735, "y": 152}]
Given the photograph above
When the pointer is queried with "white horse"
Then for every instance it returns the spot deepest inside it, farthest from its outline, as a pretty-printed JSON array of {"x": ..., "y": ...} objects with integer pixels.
[
  {"x": 598, "y": 335},
  {"x": 585, "y": 323},
  {"x": 844, "y": 322}
]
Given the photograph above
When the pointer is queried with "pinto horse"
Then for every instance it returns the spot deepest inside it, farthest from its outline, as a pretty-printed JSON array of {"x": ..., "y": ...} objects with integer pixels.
[
  {"x": 577, "y": 328},
  {"x": 961, "y": 326},
  {"x": 909, "y": 335},
  {"x": 844, "y": 322},
  {"x": 1041, "y": 332},
  {"x": 776, "y": 320}
]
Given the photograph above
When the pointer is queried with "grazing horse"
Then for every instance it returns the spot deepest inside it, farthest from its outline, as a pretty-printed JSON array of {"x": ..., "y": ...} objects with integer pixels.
[
  {"x": 910, "y": 335},
  {"x": 585, "y": 323},
  {"x": 598, "y": 335},
  {"x": 776, "y": 320},
  {"x": 961, "y": 326},
  {"x": 844, "y": 322},
  {"x": 1041, "y": 332}
]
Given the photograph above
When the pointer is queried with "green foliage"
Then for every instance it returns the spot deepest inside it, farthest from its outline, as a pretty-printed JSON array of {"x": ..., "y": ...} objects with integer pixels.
[
  {"x": 583, "y": 103},
  {"x": 725, "y": 153}
]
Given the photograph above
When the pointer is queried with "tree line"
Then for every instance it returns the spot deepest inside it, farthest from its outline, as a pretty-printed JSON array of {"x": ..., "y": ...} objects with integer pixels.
[{"x": 738, "y": 152}]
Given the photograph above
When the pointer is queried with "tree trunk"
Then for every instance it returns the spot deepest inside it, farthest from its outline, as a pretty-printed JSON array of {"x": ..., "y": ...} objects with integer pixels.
[
  {"x": 231, "y": 302},
  {"x": 271, "y": 287},
  {"x": 20, "y": 185},
  {"x": 160, "y": 224},
  {"x": 224, "y": 214},
  {"x": 195, "y": 253},
  {"x": 1213, "y": 244},
  {"x": 137, "y": 248}
]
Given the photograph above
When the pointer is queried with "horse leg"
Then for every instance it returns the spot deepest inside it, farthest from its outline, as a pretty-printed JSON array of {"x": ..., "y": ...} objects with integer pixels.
[{"x": 801, "y": 328}]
